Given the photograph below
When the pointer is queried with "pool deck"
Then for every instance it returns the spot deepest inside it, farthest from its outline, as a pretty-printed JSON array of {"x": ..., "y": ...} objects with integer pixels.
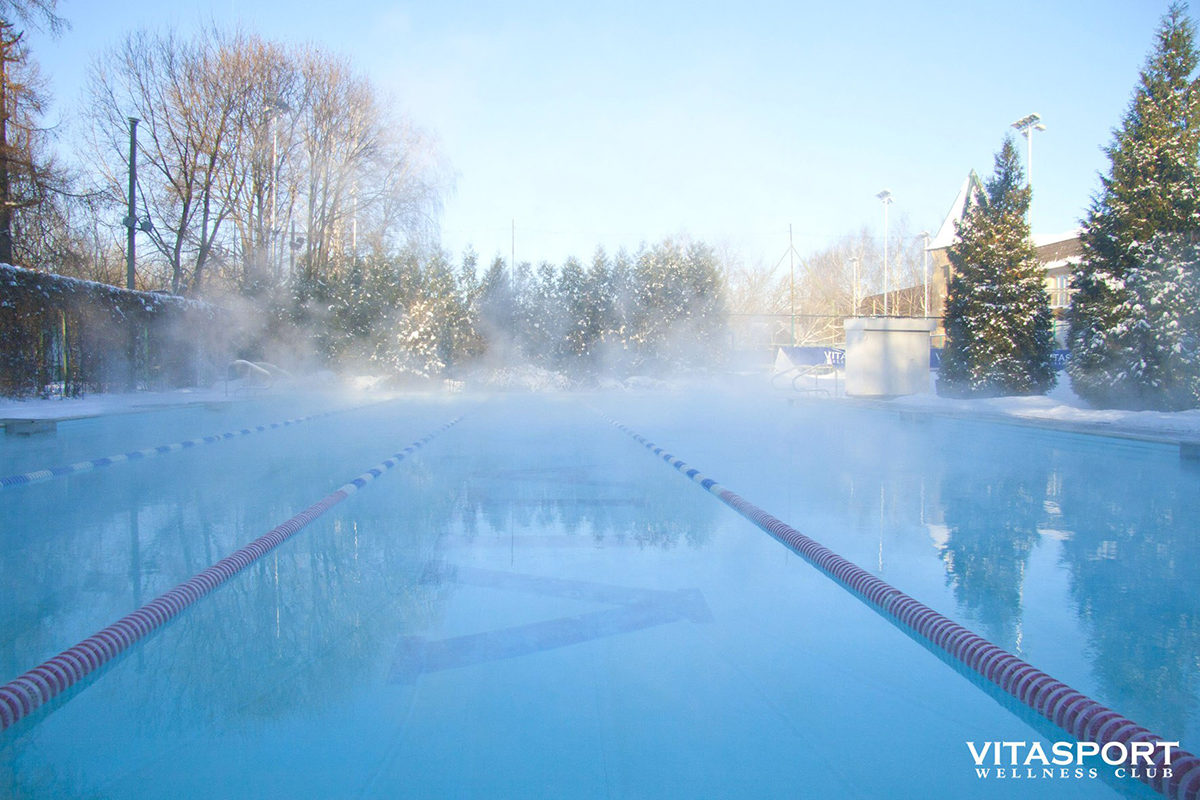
[
  {"x": 1175, "y": 429},
  {"x": 1060, "y": 411},
  {"x": 34, "y": 417},
  {"x": 1097, "y": 427}
]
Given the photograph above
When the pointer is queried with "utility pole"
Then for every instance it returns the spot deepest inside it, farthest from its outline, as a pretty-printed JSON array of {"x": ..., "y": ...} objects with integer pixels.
[
  {"x": 790, "y": 255},
  {"x": 512, "y": 258},
  {"x": 131, "y": 220},
  {"x": 792, "y": 273}
]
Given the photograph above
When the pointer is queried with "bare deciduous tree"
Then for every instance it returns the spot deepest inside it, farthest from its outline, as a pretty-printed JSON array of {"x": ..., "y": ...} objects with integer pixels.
[
  {"x": 26, "y": 173},
  {"x": 244, "y": 141},
  {"x": 189, "y": 105}
]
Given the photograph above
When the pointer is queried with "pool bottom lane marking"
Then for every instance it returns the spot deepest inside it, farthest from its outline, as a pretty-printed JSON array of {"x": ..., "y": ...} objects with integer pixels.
[
  {"x": 22, "y": 696},
  {"x": 630, "y": 609},
  {"x": 1066, "y": 708}
]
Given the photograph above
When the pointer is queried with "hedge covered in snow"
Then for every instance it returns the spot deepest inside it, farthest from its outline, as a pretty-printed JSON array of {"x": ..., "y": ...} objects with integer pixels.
[{"x": 70, "y": 336}]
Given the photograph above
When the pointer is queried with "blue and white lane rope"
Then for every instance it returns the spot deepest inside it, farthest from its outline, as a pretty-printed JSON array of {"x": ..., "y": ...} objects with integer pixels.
[
  {"x": 39, "y": 475},
  {"x": 1072, "y": 711},
  {"x": 22, "y": 696}
]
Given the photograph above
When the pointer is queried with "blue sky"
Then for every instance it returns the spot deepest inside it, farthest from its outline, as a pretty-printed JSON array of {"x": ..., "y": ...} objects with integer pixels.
[{"x": 616, "y": 123}]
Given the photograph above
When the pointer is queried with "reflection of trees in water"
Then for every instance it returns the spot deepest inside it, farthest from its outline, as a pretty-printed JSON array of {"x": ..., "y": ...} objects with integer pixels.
[
  {"x": 65, "y": 554},
  {"x": 577, "y": 501},
  {"x": 1134, "y": 558},
  {"x": 293, "y": 634},
  {"x": 1127, "y": 523},
  {"x": 92, "y": 565},
  {"x": 920, "y": 477},
  {"x": 297, "y": 631},
  {"x": 991, "y": 517},
  {"x": 978, "y": 494},
  {"x": 300, "y": 630}
]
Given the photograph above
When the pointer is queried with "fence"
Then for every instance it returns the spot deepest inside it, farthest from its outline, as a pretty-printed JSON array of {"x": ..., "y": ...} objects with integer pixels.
[{"x": 65, "y": 336}]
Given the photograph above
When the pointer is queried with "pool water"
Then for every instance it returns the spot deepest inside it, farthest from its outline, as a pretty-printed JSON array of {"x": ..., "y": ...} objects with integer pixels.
[{"x": 533, "y": 606}]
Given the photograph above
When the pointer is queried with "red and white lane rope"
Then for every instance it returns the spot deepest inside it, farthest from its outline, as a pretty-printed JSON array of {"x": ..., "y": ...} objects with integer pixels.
[
  {"x": 36, "y": 476},
  {"x": 22, "y": 696},
  {"x": 1072, "y": 711}
]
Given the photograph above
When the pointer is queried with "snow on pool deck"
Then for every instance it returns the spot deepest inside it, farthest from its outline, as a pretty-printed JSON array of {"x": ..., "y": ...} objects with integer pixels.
[
  {"x": 101, "y": 404},
  {"x": 1064, "y": 410}
]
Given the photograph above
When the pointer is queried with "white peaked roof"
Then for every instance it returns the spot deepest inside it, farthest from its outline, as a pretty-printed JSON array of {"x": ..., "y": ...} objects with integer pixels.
[
  {"x": 948, "y": 232},
  {"x": 1043, "y": 239}
]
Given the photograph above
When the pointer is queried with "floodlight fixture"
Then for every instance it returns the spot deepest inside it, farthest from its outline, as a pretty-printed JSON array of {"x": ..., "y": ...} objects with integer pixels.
[{"x": 1027, "y": 125}]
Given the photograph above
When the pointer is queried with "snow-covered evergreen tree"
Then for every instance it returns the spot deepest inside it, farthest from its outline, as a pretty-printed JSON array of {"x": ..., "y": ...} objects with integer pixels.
[
  {"x": 1152, "y": 189},
  {"x": 573, "y": 339},
  {"x": 495, "y": 309},
  {"x": 541, "y": 319},
  {"x": 1156, "y": 340},
  {"x": 678, "y": 305},
  {"x": 998, "y": 322}
]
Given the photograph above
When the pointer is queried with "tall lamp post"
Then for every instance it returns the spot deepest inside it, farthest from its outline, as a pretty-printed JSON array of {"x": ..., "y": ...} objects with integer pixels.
[
  {"x": 854, "y": 289},
  {"x": 1027, "y": 125},
  {"x": 132, "y": 222},
  {"x": 274, "y": 107},
  {"x": 886, "y": 198},
  {"x": 925, "y": 268},
  {"x": 131, "y": 219}
]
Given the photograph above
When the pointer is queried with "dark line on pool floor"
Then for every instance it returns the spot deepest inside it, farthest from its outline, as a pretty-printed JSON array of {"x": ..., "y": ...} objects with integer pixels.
[{"x": 636, "y": 609}]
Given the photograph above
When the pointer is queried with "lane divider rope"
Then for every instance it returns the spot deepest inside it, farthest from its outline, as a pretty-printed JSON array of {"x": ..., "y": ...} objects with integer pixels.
[
  {"x": 23, "y": 695},
  {"x": 1066, "y": 708},
  {"x": 36, "y": 476}
]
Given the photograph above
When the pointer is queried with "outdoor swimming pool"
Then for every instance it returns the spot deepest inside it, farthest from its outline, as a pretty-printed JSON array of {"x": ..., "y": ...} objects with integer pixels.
[{"x": 533, "y": 606}]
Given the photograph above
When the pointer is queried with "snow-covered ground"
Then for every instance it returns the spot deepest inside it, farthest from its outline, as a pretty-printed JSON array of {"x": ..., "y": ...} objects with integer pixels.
[
  {"x": 92, "y": 405},
  {"x": 99, "y": 404},
  {"x": 1062, "y": 408}
]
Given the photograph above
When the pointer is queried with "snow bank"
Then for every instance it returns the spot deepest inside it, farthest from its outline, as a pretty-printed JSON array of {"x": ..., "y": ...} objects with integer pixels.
[
  {"x": 98, "y": 404},
  {"x": 1064, "y": 407}
]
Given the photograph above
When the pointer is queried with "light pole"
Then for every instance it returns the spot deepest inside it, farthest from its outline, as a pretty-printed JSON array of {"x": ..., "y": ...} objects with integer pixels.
[
  {"x": 131, "y": 219},
  {"x": 925, "y": 268},
  {"x": 1027, "y": 125},
  {"x": 274, "y": 107},
  {"x": 792, "y": 283},
  {"x": 854, "y": 288},
  {"x": 886, "y": 197}
]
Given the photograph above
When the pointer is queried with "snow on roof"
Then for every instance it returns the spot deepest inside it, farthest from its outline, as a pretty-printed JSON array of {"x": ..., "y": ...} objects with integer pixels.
[
  {"x": 11, "y": 271},
  {"x": 948, "y": 232},
  {"x": 1043, "y": 239}
]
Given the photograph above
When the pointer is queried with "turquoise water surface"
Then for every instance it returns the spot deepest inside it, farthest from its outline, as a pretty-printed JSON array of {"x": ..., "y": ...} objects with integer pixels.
[{"x": 534, "y": 606}]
